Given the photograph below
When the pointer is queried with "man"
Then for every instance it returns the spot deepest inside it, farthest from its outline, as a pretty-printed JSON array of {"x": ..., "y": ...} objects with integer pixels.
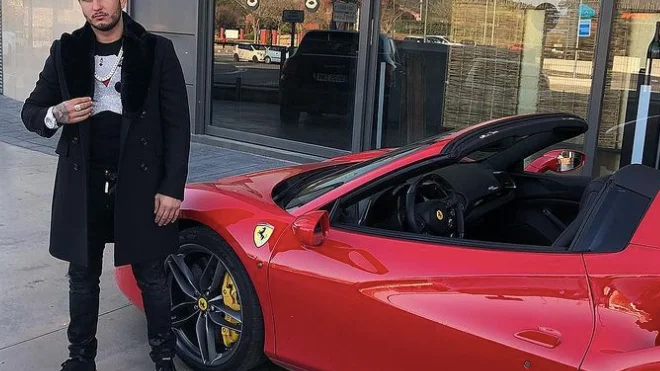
[{"x": 118, "y": 96}]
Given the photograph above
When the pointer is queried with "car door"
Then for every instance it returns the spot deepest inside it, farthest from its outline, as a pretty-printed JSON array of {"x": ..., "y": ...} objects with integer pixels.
[
  {"x": 621, "y": 244},
  {"x": 361, "y": 301},
  {"x": 354, "y": 298},
  {"x": 244, "y": 52}
]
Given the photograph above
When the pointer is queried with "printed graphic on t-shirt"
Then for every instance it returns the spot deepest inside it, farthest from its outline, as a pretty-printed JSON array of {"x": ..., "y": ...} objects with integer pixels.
[{"x": 107, "y": 93}]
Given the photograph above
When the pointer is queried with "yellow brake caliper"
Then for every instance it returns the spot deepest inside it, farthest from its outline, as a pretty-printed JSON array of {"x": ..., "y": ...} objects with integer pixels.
[{"x": 230, "y": 298}]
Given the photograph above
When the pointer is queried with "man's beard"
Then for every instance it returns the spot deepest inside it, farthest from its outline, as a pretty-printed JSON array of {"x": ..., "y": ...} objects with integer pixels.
[{"x": 114, "y": 20}]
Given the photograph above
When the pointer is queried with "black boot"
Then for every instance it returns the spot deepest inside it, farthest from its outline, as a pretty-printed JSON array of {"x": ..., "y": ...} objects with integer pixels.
[
  {"x": 165, "y": 365},
  {"x": 79, "y": 364}
]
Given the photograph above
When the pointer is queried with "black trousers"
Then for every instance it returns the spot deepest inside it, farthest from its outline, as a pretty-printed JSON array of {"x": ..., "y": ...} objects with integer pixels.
[{"x": 84, "y": 283}]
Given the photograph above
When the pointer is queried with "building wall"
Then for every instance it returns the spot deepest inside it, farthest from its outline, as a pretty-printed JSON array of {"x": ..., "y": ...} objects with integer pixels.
[
  {"x": 28, "y": 30},
  {"x": 30, "y": 26},
  {"x": 177, "y": 20}
]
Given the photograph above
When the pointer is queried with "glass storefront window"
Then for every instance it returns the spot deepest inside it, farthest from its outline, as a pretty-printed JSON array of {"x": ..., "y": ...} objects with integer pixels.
[
  {"x": 462, "y": 62},
  {"x": 632, "y": 32},
  {"x": 267, "y": 84}
]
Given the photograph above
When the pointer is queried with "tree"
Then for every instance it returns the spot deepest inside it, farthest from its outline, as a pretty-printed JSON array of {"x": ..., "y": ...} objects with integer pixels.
[
  {"x": 228, "y": 16},
  {"x": 440, "y": 11},
  {"x": 269, "y": 14},
  {"x": 393, "y": 10}
]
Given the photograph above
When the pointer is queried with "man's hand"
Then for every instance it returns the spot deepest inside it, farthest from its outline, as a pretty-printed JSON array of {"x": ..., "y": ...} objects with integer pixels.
[
  {"x": 167, "y": 209},
  {"x": 73, "y": 111}
]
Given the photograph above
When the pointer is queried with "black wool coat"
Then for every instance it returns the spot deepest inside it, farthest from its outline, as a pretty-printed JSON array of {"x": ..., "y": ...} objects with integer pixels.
[{"x": 154, "y": 146}]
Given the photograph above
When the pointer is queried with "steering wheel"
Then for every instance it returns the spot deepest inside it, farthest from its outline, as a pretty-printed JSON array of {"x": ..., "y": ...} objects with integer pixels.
[{"x": 443, "y": 217}]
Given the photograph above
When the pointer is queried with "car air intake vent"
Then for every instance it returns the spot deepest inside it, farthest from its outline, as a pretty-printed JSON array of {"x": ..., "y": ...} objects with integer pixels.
[{"x": 505, "y": 180}]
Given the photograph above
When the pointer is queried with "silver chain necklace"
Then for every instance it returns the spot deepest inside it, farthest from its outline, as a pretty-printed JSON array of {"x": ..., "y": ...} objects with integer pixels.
[{"x": 113, "y": 69}]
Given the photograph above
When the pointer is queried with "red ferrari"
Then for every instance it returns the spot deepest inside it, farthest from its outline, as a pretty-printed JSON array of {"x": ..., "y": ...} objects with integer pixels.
[{"x": 470, "y": 250}]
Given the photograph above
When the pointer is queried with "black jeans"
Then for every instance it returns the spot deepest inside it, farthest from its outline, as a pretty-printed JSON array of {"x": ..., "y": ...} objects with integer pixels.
[{"x": 84, "y": 284}]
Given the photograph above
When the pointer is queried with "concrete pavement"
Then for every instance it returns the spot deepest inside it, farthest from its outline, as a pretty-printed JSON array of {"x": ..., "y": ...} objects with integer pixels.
[{"x": 34, "y": 312}]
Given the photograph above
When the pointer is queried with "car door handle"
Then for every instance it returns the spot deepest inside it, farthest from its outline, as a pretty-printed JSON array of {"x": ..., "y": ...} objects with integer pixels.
[{"x": 543, "y": 336}]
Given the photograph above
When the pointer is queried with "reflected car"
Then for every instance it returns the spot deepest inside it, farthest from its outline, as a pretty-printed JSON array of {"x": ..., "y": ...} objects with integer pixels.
[
  {"x": 320, "y": 77},
  {"x": 249, "y": 52},
  {"x": 432, "y": 39},
  {"x": 274, "y": 54},
  {"x": 448, "y": 252}
]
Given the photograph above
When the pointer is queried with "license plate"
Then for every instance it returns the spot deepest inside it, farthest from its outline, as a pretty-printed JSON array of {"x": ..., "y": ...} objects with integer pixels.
[{"x": 329, "y": 77}]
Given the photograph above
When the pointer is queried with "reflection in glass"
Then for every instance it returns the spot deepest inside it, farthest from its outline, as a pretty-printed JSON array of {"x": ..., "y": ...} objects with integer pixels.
[
  {"x": 28, "y": 31},
  {"x": 266, "y": 83},
  {"x": 632, "y": 32},
  {"x": 462, "y": 62}
]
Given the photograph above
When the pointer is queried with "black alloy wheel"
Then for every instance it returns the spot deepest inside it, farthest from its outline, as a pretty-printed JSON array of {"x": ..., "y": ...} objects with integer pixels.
[{"x": 216, "y": 316}]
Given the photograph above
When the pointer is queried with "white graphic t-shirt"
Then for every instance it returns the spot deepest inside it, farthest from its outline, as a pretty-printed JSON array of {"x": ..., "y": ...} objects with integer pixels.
[{"x": 107, "y": 111}]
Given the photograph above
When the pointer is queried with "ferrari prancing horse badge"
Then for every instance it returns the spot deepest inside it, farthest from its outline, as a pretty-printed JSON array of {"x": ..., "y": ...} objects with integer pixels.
[{"x": 262, "y": 233}]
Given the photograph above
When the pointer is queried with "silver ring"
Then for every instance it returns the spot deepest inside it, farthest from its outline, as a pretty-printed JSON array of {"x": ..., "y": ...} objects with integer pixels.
[{"x": 76, "y": 107}]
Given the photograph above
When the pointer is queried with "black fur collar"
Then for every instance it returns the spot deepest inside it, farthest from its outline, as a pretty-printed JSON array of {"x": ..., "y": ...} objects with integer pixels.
[{"x": 77, "y": 51}]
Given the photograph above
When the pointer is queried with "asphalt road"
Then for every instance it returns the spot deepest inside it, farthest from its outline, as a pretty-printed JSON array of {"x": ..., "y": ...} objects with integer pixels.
[
  {"x": 227, "y": 71},
  {"x": 560, "y": 74}
]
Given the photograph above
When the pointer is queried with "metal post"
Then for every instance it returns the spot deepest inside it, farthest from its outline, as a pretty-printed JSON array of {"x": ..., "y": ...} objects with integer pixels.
[
  {"x": 483, "y": 40},
  {"x": 426, "y": 18},
  {"x": 577, "y": 39},
  {"x": 205, "y": 66},
  {"x": 365, "y": 86},
  {"x": 597, "y": 93},
  {"x": 381, "y": 106},
  {"x": 639, "y": 139},
  {"x": 492, "y": 28}
]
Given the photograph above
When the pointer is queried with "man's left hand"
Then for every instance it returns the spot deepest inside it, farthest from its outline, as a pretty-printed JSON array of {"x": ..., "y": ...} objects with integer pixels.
[{"x": 166, "y": 209}]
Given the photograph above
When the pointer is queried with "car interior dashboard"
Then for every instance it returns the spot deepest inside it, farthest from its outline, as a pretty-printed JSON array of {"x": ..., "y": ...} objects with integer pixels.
[{"x": 479, "y": 188}]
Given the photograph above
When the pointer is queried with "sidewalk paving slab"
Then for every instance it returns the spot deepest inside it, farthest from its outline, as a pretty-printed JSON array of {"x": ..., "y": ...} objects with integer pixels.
[
  {"x": 206, "y": 163},
  {"x": 34, "y": 312}
]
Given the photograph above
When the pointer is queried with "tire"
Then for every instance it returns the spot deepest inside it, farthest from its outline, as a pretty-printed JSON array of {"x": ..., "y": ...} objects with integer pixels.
[
  {"x": 267, "y": 60},
  {"x": 255, "y": 59},
  {"x": 236, "y": 58},
  {"x": 199, "y": 245}
]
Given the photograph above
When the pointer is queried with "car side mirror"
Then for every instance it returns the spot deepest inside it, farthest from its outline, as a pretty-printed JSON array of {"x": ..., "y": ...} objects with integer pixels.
[
  {"x": 311, "y": 228},
  {"x": 558, "y": 161}
]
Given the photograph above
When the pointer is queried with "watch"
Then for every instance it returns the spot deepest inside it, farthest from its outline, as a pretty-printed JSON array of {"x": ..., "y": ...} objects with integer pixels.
[{"x": 50, "y": 120}]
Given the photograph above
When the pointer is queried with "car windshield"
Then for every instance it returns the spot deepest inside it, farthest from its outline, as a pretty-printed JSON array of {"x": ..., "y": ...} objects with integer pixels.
[{"x": 308, "y": 192}]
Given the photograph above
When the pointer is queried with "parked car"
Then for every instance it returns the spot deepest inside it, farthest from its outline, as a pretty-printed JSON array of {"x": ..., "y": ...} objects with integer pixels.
[
  {"x": 320, "y": 77},
  {"x": 432, "y": 39},
  {"x": 249, "y": 52},
  {"x": 441, "y": 39},
  {"x": 444, "y": 254},
  {"x": 274, "y": 54}
]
